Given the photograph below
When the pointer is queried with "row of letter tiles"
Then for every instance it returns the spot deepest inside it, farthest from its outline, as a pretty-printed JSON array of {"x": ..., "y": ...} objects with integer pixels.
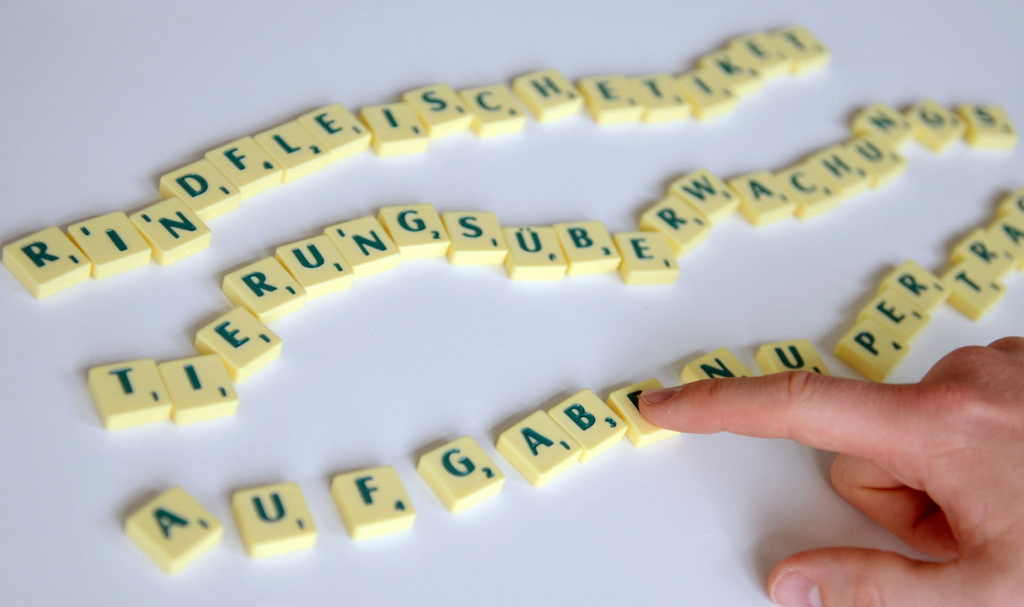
[
  {"x": 140, "y": 392},
  {"x": 936, "y": 127}
]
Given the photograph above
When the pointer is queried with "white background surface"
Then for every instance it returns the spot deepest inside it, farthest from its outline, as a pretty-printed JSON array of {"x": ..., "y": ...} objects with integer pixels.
[{"x": 99, "y": 101}]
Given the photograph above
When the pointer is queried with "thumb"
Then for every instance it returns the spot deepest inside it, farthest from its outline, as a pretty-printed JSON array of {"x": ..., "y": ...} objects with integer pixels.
[{"x": 852, "y": 577}]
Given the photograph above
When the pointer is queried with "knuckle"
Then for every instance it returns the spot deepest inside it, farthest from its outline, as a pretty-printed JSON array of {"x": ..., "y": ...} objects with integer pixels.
[{"x": 796, "y": 386}]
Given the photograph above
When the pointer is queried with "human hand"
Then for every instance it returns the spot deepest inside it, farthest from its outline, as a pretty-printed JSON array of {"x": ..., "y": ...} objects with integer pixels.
[{"x": 939, "y": 463}]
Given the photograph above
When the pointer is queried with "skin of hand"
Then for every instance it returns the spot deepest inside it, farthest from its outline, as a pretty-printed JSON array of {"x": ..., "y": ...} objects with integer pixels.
[{"x": 939, "y": 463}]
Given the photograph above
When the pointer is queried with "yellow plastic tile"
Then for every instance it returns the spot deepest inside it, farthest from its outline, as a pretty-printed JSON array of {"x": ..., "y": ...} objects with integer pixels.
[
  {"x": 496, "y": 111},
  {"x": 738, "y": 76},
  {"x": 763, "y": 52},
  {"x": 988, "y": 127},
  {"x": 46, "y": 262},
  {"x": 266, "y": 289},
  {"x": 295, "y": 149},
  {"x": 588, "y": 248},
  {"x": 317, "y": 265},
  {"x": 680, "y": 222},
  {"x": 273, "y": 520},
  {"x": 707, "y": 94},
  {"x": 440, "y": 109},
  {"x": 707, "y": 193},
  {"x": 173, "y": 529},
  {"x": 897, "y": 313},
  {"x": 1008, "y": 233},
  {"x": 244, "y": 343},
  {"x": 611, "y": 99},
  {"x": 813, "y": 189},
  {"x": 416, "y": 230},
  {"x": 806, "y": 51},
  {"x": 548, "y": 95},
  {"x": 720, "y": 363},
  {"x": 844, "y": 170},
  {"x": 338, "y": 131},
  {"x": 461, "y": 474},
  {"x": 625, "y": 402},
  {"x": 199, "y": 387},
  {"x": 661, "y": 98},
  {"x": 988, "y": 248},
  {"x": 172, "y": 230},
  {"x": 476, "y": 238},
  {"x": 935, "y": 127},
  {"x": 795, "y": 355},
  {"x": 111, "y": 243},
  {"x": 871, "y": 349},
  {"x": 534, "y": 254},
  {"x": 883, "y": 121},
  {"x": 538, "y": 448},
  {"x": 875, "y": 155},
  {"x": 647, "y": 258},
  {"x": 918, "y": 285},
  {"x": 763, "y": 199},
  {"x": 590, "y": 422},
  {"x": 1012, "y": 204},
  {"x": 203, "y": 188},
  {"x": 129, "y": 394},
  {"x": 247, "y": 166},
  {"x": 372, "y": 502},
  {"x": 396, "y": 129},
  {"x": 973, "y": 289},
  {"x": 365, "y": 244}
]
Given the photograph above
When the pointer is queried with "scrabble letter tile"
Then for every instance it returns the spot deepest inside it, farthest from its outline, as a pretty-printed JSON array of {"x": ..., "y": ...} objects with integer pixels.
[
  {"x": 881, "y": 161},
  {"x": 934, "y": 126},
  {"x": 762, "y": 198},
  {"x": 897, "y": 313},
  {"x": 365, "y": 244},
  {"x": 534, "y": 254},
  {"x": 266, "y": 289},
  {"x": 871, "y": 349},
  {"x": 476, "y": 238},
  {"x": 203, "y": 188},
  {"x": 440, "y": 109},
  {"x": 247, "y": 165},
  {"x": 461, "y": 474},
  {"x": 973, "y": 289},
  {"x": 763, "y": 52},
  {"x": 273, "y": 520},
  {"x": 46, "y": 262},
  {"x": 317, "y": 265},
  {"x": 661, "y": 98},
  {"x": 172, "y": 230},
  {"x": 796, "y": 355},
  {"x": 988, "y": 127},
  {"x": 199, "y": 387},
  {"x": 916, "y": 284},
  {"x": 295, "y": 149},
  {"x": 590, "y": 422},
  {"x": 129, "y": 394},
  {"x": 372, "y": 502},
  {"x": 173, "y": 530},
  {"x": 720, "y": 363},
  {"x": 416, "y": 230},
  {"x": 844, "y": 169},
  {"x": 1008, "y": 233},
  {"x": 807, "y": 52},
  {"x": 707, "y": 193},
  {"x": 739, "y": 77},
  {"x": 538, "y": 448},
  {"x": 1012, "y": 204},
  {"x": 625, "y": 402},
  {"x": 611, "y": 99},
  {"x": 588, "y": 248},
  {"x": 988, "y": 248},
  {"x": 707, "y": 94},
  {"x": 883, "y": 121},
  {"x": 647, "y": 258},
  {"x": 396, "y": 129},
  {"x": 111, "y": 243},
  {"x": 496, "y": 111},
  {"x": 548, "y": 95},
  {"x": 813, "y": 189},
  {"x": 244, "y": 343},
  {"x": 337, "y": 130},
  {"x": 680, "y": 222}
]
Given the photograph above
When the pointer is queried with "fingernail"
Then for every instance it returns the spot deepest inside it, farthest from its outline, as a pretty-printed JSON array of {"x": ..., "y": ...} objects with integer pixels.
[
  {"x": 795, "y": 589},
  {"x": 656, "y": 397}
]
